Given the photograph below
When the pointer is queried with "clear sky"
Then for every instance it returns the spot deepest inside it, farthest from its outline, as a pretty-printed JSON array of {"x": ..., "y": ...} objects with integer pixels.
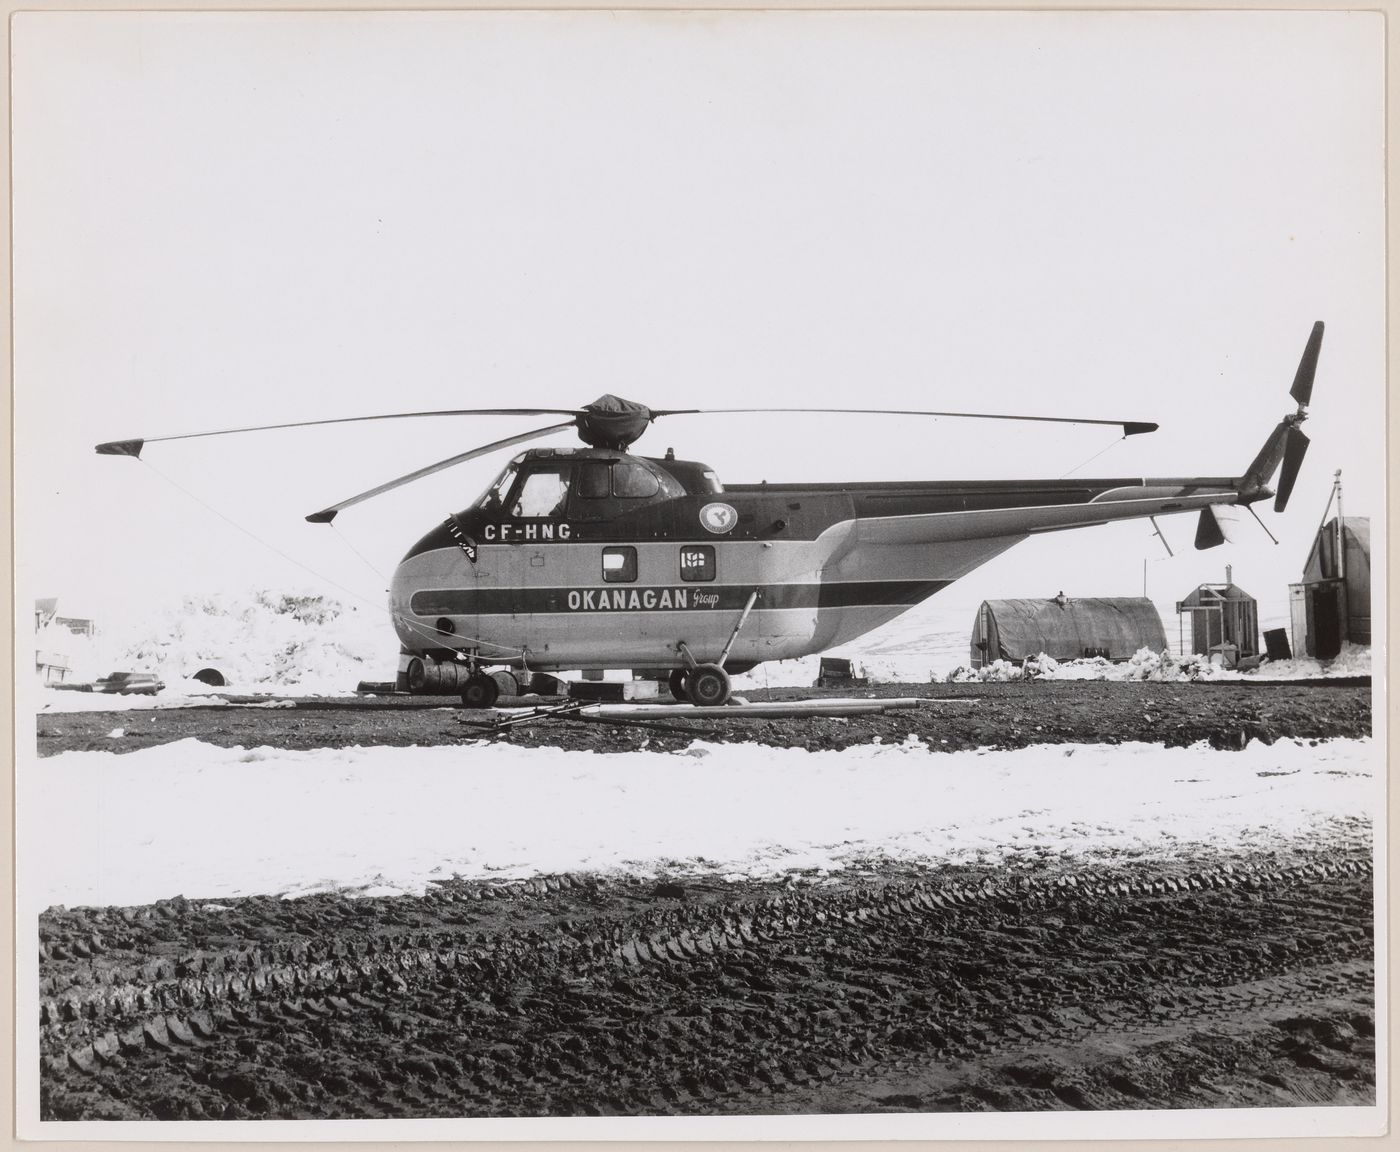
[{"x": 228, "y": 219}]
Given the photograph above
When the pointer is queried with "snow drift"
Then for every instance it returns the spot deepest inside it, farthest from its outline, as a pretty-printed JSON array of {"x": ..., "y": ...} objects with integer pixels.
[
  {"x": 261, "y": 641},
  {"x": 202, "y": 821},
  {"x": 1353, "y": 660}
]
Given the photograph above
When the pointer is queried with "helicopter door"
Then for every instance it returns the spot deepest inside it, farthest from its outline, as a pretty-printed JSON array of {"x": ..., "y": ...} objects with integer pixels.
[
  {"x": 534, "y": 511},
  {"x": 593, "y": 498},
  {"x": 543, "y": 495},
  {"x": 607, "y": 488}
]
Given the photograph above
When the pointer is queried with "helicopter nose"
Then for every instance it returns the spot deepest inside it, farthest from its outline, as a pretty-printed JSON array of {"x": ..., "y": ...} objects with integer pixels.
[{"x": 431, "y": 570}]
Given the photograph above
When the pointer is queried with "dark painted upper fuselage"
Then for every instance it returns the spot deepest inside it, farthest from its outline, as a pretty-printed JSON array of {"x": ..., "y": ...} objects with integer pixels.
[{"x": 764, "y": 511}]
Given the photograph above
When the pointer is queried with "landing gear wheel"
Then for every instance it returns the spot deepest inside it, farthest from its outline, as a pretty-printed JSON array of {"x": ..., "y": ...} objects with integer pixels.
[
  {"x": 707, "y": 685},
  {"x": 480, "y": 691},
  {"x": 676, "y": 682}
]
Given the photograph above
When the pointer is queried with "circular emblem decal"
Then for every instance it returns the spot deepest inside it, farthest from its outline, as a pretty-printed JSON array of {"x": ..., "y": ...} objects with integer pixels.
[{"x": 718, "y": 518}]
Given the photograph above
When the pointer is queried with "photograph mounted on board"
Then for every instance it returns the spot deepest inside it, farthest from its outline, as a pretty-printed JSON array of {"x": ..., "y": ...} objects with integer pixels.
[{"x": 738, "y": 567}]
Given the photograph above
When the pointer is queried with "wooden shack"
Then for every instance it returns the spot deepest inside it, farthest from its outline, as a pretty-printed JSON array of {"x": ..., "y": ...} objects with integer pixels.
[{"x": 1224, "y": 621}]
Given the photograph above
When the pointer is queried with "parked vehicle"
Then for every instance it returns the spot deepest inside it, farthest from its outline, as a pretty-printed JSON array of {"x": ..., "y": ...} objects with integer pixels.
[{"x": 129, "y": 684}]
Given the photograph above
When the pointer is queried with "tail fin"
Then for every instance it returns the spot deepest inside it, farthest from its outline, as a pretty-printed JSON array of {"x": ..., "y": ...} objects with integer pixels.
[{"x": 1209, "y": 534}]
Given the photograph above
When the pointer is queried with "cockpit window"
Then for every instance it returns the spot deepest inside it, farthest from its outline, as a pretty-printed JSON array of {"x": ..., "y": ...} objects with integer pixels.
[
  {"x": 593, "y": 479},
  {"x": 543, "y": 493},
  {"x": 496, "y": 494},
  {"x": 632, "y": 481},
  {"x": 621, "y": 478}
]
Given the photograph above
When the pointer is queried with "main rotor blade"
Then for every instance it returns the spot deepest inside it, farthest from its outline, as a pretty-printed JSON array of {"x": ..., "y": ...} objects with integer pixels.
[
  {"x": 1307, "y": 367},
  {"x": 326, "y": 515},
  {"x": 133, "y": 447},
  {"x": 1130, "y": 427},
  {"x": 1294, "y": 449}
]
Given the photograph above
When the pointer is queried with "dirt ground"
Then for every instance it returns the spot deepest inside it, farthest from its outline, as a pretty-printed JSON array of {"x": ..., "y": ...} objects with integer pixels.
[
  {"x": 935, "y": 991},
  {"x": 957, "y": 716},
  {"x": 1196, "y": 981}
]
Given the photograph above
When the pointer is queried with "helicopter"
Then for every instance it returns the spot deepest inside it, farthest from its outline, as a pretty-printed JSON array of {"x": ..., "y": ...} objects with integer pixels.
[{"x": 594, "y": 558}]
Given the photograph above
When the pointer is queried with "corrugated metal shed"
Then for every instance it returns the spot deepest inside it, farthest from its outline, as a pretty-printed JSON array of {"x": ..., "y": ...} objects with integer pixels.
[{"x": 1066, "y": 628}]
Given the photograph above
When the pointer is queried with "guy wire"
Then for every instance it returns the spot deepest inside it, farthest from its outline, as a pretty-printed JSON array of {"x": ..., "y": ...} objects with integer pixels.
[
  {"x": 1095, "y": 456},
  {"x": 426, "y": 633},
  {"x": 361, "y": 555}
]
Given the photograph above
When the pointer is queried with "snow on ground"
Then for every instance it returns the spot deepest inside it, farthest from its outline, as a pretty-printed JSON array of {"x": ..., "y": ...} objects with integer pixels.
[
  {"x": 261, "y": 641},
  {"x": 52, "y": 701},
  {"x": 907, "y": 667},
  {"x": 207, "y": 822},
  {"x": 193, "y": 695},
  {"x": 1353, "y": 660}
]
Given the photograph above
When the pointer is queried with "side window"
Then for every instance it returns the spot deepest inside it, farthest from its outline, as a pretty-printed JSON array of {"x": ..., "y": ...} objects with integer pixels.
[
  {"x": 632, "y": 481},
  {"x": 619, "y": 564},
  {"x": 593, "y": 480},
  {"x": 543, "y": 493},
  {"x": 698, "y": 562}
]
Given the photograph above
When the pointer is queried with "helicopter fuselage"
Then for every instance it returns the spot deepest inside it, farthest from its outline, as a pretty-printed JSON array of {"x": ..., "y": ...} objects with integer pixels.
[{"x": 595, "y": 559}]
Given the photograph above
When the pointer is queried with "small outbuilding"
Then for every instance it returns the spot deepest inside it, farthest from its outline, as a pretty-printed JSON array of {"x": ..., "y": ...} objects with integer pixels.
[
  {"x": 1066, "y": 628},
  {"x": 1332, "y": 605},
  {"x": 1224, "y": 621},
  {"x": 53, "y": 665}
]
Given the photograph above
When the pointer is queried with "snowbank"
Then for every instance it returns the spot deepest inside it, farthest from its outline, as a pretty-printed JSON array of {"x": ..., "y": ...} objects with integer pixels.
[
  {"x": 1144, "y": 665},
  {"x": 1354, "y": 660},
  {"x": 202, "y": 821},
  {"x": 261, "y": 641}
]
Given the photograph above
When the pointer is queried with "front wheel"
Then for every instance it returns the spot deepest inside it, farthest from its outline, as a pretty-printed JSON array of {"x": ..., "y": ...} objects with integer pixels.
[
  {"x": 480, "y": 691},
  {"x": 708, "y": 685}
]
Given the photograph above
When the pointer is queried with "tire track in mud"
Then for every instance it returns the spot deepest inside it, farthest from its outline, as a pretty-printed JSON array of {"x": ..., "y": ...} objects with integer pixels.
[{"x": 571, "y": 996}]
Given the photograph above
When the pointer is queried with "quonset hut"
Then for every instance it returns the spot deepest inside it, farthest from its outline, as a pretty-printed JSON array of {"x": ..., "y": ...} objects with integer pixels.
[
  {"x": 1333, "y": 603},
  {"x": 1066, "y": 629}
]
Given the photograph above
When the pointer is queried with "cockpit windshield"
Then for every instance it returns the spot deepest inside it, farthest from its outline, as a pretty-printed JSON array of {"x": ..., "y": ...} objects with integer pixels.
[{"x": 497, "y": 493}]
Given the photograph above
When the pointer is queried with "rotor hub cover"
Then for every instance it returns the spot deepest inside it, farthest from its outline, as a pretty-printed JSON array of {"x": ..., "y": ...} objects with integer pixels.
[{"x": 611, "y": 422}]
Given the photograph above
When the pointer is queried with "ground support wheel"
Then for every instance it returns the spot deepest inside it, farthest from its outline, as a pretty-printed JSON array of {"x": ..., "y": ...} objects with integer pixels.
[
  {"x": 480, "y": 691},
  {"x": 676, "y": 682},
  {"x": 707, "y": 685},
  {"x": 543, "y": 684},
  {"x": 508, "y": 683}
]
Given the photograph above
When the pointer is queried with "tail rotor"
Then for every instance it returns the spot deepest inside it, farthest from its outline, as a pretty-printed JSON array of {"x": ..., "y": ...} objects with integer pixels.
[
  {"x": 1307, "y": 368},
  {"x": 1295, "y": 447},
  {"x": 1288, "y": 443}
]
